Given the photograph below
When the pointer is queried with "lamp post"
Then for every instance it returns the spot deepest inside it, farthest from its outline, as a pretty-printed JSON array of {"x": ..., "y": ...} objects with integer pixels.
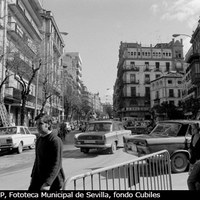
[{"x": 177, "y": 35}]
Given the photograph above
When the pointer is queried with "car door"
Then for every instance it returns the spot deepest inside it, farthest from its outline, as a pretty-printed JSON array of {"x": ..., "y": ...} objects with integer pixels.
[{"x": 24, "y": 136}]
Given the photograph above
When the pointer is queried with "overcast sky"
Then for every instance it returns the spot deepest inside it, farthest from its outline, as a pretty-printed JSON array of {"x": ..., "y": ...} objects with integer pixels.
[{"x": 96, "y": 28}]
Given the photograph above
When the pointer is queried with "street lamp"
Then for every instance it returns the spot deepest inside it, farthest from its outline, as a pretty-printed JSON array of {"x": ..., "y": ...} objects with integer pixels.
[{"x": 177, "y": 35}]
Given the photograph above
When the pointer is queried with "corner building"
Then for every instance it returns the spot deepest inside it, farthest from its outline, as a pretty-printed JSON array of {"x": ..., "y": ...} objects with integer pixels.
[{"x": 137, "y": 67}]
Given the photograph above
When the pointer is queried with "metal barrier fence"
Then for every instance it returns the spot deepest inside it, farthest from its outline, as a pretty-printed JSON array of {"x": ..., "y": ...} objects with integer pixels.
[{"x": 149, "y": 172}]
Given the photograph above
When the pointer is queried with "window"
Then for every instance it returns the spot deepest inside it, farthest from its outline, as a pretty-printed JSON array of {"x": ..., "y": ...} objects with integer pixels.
[
  {"x": 157, "y": 95},
  {"x": 147, "y": 78},
  {"x": 132, "y": 78},
  {"x": 157, "y": 65},
  {"x": 22, "y": 131},
  {"x": 157, "y": 76},
  {"x": 178, "y": 54},
  {"x": 171, "y": 93},
  {"x": 146, "y": 65},
  {"x": 179, "y": 93},
  {"x": 133, "y": 91},
  {"x": 167, "y": 66},
  {"x": 169, "y": 81},
  {"x": 147, "y": 91}
]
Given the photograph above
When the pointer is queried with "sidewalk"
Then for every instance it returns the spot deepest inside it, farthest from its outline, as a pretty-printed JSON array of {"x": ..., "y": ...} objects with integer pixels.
[{"x": 179, "y": 181}]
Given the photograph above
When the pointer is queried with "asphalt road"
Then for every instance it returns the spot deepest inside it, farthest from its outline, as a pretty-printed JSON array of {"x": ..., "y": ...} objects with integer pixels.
[{"x": 15, "y": 169}]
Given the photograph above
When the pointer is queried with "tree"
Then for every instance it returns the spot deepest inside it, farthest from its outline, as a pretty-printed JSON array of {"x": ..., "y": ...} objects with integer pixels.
[
  {"x": 109, "y": 110},
  {"x": 25, "y": 78}
]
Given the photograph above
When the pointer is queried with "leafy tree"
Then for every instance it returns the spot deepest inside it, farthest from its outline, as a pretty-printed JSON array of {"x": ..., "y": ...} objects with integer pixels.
[{"x": 109, "y": 110}]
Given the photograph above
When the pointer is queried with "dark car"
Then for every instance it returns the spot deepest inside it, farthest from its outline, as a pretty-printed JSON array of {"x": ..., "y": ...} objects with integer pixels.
[
  {"x": 34, "y": 131},
  {"x": 105, "y": 134},
  {"x": 172, "y": 135}
]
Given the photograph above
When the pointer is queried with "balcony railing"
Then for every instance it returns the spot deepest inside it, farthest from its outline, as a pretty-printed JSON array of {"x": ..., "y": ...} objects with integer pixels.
[
  {"x": 17, "y": 34},
  {"x": 131, "y": 82},
  {"x": 131, "y": 68},
  {"x": 24, "y": 18}
]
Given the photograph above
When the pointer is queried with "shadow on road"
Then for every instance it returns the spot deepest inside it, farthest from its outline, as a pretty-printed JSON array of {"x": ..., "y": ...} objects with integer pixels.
[{"x": 75, "y": 153}]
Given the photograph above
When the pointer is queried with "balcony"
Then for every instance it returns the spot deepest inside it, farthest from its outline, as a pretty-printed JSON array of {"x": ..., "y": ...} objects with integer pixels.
[
  {"x": 147, "y": 81},
  {"x": 24, "y": 18},
  {"x": 147, "y": 69},
  {"x": 137, "y": 108},
  {"x": 57, "y": 47},
  {"x": 131, "y": 68},
  {"x": 19, "y": 37},
  {"x": 195, "y": 78},
  {"x": 193, "y": 56},
  {"x": 131, "y": 82}
]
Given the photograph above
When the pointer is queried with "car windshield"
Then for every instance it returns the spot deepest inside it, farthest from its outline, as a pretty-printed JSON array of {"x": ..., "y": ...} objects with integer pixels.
[
  {"x": 99, "y": 127},
  {"x": 166, "y": 129},
  {"x": 8, "y": 131}
]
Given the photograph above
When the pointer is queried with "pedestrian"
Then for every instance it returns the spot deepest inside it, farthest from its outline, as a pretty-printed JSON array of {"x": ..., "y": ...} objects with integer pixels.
[
  {"x": 193, "y": 180},
  {"x": 62, "y": 132},
  {"x": 47, "y": 172}
]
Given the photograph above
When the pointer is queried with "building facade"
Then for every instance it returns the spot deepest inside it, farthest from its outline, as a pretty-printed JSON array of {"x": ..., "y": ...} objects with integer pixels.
[
  {"x": 191, "y": 92},
  {"x": 137, "y": 67},
  {"x": 167, "y": 88},
  {"x": 30, "y": 34},
  {"x": 73, "y": 63}
]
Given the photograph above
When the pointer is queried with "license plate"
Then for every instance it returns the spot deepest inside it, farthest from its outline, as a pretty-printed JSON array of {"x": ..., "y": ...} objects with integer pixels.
[{"x": 89, "y": 141}]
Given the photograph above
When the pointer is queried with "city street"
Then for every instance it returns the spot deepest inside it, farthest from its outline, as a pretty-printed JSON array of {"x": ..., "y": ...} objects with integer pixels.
[{"x": 15, "y": 169}]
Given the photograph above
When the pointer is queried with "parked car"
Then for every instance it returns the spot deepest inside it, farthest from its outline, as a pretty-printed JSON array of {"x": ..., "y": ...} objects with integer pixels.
[
  {"x": 172, "y": 135},
  {"x": 34, "y": 131},
  {"x": 16, "y": 138},
  {"x": 106, "y": 134}
]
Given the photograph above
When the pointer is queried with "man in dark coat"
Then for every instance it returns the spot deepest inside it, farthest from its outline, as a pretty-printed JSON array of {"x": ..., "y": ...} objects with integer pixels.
[{"x": 47, "y": 172}]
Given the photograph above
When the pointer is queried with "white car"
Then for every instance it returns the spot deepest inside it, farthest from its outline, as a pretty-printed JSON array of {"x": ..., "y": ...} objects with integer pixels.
[
  {"x": 105, "y": 134},
  {"x": 16, "y": 138}
]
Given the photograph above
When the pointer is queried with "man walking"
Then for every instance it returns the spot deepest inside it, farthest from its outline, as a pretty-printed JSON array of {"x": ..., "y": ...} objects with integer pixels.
[{"x": 47, "y": 172}]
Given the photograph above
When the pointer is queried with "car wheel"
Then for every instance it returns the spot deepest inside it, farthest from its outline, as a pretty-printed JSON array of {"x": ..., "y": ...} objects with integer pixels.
[
  {"x": 113, "y": 148},
  {"x": 85, "y": 150},
  {"x": 20, "y": 148},
  {"x": 32, "y": 146},
  {"x": 179, "y": 162}
]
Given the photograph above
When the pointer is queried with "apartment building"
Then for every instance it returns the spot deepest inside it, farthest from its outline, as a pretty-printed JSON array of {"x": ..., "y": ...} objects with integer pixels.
[
  {"x": 167, "y": 88},
  {"x": 52, "y": 48},
  {"x": 137, "y": 67},
  {"x": 73, "y": 63},
  {"x": 22, "y": 23},
  {"x": 30, "y": 34},
  {"x": 191, "y": 92}
]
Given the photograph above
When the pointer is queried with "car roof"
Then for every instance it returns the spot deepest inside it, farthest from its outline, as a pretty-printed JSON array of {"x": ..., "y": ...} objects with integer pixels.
[
  {"x": 104, "y": 121},
  {"x": 183, "y": 121},
  {"x": 13, "y": 126}
]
